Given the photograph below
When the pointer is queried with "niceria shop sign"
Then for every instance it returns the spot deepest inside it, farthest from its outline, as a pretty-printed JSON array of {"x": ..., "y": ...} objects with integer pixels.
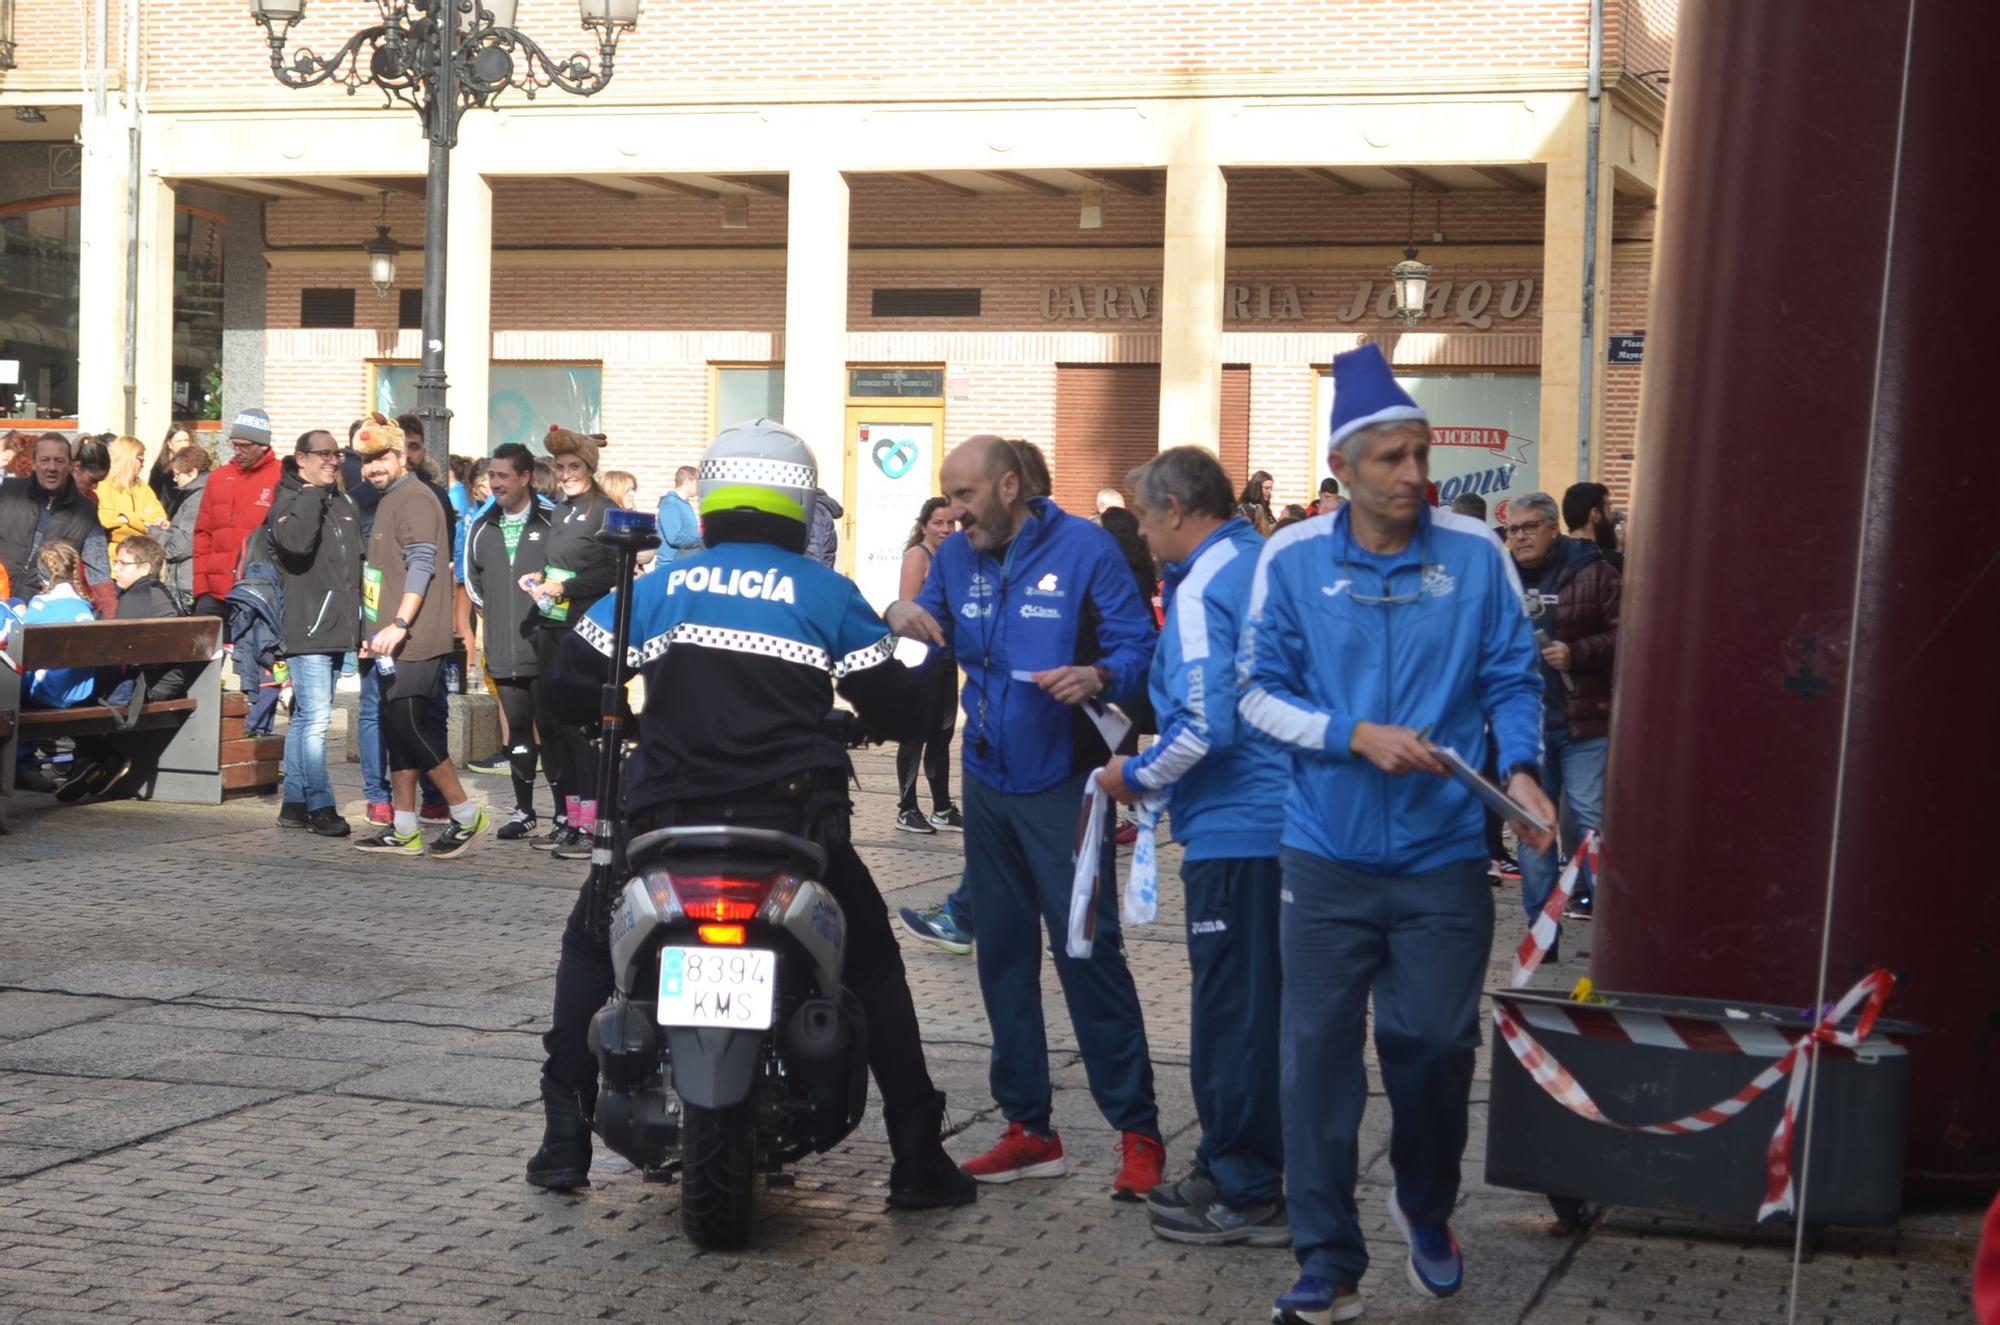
[{"x": 1477, "y": 304}]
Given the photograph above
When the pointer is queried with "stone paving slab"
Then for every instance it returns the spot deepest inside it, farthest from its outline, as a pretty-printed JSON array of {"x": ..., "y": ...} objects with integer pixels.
[{"x": 268, "y": 1078}]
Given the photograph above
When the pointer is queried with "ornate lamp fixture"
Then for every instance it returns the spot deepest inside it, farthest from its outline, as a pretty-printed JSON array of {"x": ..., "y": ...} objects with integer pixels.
[
  {"x": 382, "y": 252},
  {"x": 1411, "y": 277}
]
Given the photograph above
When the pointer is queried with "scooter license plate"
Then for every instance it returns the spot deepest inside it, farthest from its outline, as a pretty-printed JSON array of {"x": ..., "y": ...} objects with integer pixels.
[{"x": 734, "y": 988}]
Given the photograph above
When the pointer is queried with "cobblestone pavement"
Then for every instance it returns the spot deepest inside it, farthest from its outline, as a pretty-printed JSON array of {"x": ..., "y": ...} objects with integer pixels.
[{"x": 249, "y": 1075}]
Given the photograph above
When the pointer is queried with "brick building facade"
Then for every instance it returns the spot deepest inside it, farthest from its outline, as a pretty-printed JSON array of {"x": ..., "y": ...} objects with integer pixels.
[{"x": 779, "y": 204}]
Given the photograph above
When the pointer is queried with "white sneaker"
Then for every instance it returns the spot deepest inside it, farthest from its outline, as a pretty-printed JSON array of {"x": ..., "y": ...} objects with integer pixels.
[{"x": 349, "y": 684}]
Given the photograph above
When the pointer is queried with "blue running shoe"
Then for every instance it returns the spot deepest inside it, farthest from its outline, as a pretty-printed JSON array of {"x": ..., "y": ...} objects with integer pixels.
[
  {"x": 1436, "y": 1267},
  {"x": 1314, "y": 1301},
  {"x": 937, "y": 928}
]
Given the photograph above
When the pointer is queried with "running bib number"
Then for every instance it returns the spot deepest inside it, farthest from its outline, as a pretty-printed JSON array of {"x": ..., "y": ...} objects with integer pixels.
[
  {"x": 557, "y": 608},
  {"x": 734, "y": 988},
  {"x": 371, "y": 593}
]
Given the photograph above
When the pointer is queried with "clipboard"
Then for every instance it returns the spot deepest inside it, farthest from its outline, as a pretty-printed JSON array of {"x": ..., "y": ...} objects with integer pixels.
[{"x": 1485, "y": 792}]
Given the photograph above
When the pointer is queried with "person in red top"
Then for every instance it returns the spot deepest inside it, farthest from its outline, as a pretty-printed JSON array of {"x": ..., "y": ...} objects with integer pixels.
[{"x": 234, "y": 505}]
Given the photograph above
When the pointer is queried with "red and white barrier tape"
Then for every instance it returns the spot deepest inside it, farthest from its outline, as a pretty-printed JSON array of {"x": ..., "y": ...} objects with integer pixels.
[{"x": 1869, "y": 995}]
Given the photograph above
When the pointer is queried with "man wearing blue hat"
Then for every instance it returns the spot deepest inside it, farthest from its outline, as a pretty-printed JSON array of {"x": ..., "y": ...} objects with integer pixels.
[{"x": 1373, "y": 638}]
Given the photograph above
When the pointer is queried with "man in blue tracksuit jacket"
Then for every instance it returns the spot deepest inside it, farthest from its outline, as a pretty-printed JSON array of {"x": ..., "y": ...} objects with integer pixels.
[
  {"x": 1224, "y": 792},
  {"x": 1369, "y": 631},
  {"x": 1042, "y": 613}
]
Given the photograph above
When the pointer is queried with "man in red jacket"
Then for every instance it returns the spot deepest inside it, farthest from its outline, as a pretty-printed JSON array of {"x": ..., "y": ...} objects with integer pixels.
[{"x": 236, "y": 502}]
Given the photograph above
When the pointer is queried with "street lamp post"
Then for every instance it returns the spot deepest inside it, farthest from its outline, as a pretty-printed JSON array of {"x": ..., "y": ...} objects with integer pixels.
[{"x": 441, "y": 57}]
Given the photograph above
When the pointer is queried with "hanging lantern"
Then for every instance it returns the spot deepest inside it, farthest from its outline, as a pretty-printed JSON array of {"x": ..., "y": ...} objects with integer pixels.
[
  {"x": 382, "y": 252},
  {"x": 1412, "y": 279}
]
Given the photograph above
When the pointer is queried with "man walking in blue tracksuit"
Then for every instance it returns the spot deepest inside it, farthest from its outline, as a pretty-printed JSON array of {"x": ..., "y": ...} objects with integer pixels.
[
  {"x": 1370, "y": 631},
  {"x": 1224, "y": 795},
  {"x": 1042, "y": 613}
]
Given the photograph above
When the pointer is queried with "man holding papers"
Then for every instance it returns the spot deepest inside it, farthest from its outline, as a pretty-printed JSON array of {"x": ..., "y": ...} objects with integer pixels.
[
  {"x": 1041, "y": 612},
  {"x": 1365, "y": 628},
  {"x": 1224, "y": 794}
]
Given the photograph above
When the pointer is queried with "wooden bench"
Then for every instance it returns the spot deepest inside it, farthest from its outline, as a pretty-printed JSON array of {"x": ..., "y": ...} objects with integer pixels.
[{"x": 188, "y": 768}]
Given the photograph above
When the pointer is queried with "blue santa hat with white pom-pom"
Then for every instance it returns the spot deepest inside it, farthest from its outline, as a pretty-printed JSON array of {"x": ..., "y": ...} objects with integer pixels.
[{"x": 1365, "y": 392}]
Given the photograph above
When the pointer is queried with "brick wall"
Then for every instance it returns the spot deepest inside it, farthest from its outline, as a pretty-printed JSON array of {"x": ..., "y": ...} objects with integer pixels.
[
  {"x": 1630, "y": 286},
  {"x": 51, "y": 37},
  {"x": 1646, "y": 29},
  {"x": 979, "y": 43}
]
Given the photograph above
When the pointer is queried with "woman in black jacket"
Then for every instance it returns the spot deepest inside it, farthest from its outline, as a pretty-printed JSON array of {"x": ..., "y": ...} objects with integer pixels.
[{"x": 579, "y": 571}]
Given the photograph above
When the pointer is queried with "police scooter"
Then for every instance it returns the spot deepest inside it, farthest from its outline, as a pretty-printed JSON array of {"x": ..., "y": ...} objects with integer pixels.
[{"x": 729, "y": 1047}]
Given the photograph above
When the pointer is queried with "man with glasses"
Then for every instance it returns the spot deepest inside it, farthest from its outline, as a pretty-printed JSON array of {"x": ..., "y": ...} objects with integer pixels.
[
  {"x": 1572, "y": 593},
  {"x": 1372, "y": 637},
  {"x": 237, "y": 499},
  {"x": 316, "y": 537}
]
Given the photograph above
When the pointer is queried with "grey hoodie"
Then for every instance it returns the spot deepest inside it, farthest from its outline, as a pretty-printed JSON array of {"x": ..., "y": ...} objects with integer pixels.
[
  {"x": 822, "y": 537},
  {"x": 179, "y": 542}
]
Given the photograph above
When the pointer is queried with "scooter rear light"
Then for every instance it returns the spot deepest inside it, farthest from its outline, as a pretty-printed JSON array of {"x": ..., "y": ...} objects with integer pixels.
[
  {"x": 728, "y": 935},
  {"x": 717, "y": 898}
]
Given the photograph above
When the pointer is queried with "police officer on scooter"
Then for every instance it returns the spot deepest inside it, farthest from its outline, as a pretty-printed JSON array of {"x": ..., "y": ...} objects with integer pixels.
[{"x": 742, "y": 646}]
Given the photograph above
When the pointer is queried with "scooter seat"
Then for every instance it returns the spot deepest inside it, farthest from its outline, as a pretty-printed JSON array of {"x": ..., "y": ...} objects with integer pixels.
[{"x": 703, "y": 846}]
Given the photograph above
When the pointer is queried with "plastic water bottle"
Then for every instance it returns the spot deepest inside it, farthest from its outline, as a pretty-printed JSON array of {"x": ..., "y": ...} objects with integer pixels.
[{"x": 385, "y": 666}]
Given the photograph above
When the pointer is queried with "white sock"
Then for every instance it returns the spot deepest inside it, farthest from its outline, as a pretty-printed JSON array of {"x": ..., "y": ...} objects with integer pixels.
[
  {"x": 465, "y": 814},
  {"x": 406, "y": 822}
]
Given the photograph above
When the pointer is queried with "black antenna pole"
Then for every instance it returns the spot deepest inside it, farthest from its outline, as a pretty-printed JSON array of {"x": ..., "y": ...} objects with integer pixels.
[{"x": 628, "y": 533}]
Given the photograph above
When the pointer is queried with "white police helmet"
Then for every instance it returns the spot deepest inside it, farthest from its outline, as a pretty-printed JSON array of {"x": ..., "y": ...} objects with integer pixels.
[{"x": 758, "y": 475}]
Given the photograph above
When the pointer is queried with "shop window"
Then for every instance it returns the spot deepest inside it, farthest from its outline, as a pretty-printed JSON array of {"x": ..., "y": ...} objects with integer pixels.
[
  {"x": 522, "y": 399},
  {"x": 1483, "y": 431},
  {"x": 38, "y": 309},
  {"x": 326, "y": 308},
  {"x": 925, "y": 303},
  {"x": 749, "y": 393}
]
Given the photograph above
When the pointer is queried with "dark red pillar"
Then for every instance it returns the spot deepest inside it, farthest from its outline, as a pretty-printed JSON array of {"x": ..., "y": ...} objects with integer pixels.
[{"x": 1809, "y": 670}]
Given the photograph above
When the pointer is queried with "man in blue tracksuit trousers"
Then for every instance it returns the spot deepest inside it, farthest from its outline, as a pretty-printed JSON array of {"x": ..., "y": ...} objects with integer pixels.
[
  {"x": 1224, "y": 793},
  {"x": 1375, "y": 636},
  {"x": 1042, "y": 614}
]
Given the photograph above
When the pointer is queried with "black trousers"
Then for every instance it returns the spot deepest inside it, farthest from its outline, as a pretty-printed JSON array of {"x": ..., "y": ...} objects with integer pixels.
[
  {"x": 874, "y": 966},
  {"x": 940, "y": 696},
  {"x": 566, "y": 753},
  {"x": 517, "y": 702}
]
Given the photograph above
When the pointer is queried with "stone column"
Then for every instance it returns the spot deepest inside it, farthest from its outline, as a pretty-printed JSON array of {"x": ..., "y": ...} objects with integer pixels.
[
  {"x": 816, "y": 323},
  {"x": 104, "y": 225},
  {"x": 468, "y": 299},
  {"x": 1192, "y": 291},
  {"x": 154, "y": 331},
  {"x": 1562, "y": 304}
]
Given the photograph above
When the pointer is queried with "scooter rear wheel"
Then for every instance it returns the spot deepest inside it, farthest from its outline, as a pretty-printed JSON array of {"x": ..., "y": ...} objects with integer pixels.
[{"x": 718, "y": 1172}]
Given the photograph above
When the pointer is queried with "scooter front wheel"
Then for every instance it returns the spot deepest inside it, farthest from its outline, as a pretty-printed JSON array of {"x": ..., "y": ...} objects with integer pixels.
[{"x": 718, "y": 1171}]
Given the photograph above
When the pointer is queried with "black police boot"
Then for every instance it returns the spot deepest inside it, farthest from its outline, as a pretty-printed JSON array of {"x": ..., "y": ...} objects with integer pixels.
[
  {"x": 563, "y": 1162},
  {"x": 923, "y": 1176}
]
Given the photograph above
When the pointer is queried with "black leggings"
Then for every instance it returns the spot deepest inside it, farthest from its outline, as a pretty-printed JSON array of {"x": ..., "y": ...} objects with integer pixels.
[
  {"x": 873, "y": 968},
  {"x": 407, "y": 732},
  {"x": 940, "y": 698},
  {"x": 517, "y": 702},
  {"x": 567, "y": 756}
]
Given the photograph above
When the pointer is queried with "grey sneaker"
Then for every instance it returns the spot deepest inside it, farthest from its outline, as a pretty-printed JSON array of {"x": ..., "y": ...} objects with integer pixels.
[
  {"x": 457, "y": 837},
  {"x": 1195, "y": 1187},
  {"x": 1213, "y": 1224}
]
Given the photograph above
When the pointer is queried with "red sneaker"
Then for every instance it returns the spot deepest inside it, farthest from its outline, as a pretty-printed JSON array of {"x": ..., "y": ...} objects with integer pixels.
[
  {"x": 1140, "y": 1173},
  {"x": 1021, "y": 1154},
  {"x": 1127, "y": 833},
  {"x": 381, "y": 812},
  {"x": 436, "y": 814}
]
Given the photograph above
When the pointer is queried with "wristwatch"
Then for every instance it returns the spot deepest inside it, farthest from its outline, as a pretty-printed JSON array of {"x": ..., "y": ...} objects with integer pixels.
[
  {"x": 400, "y": 624},
  {"x": 1529, "y": 767}
]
